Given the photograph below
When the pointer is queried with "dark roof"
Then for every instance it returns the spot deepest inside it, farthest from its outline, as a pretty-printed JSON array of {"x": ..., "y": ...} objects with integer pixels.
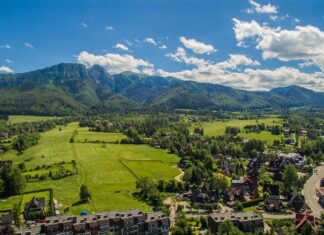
[
  {"x": 36, "y": 203},
  {"x": 272, "y": 189},
  {"x": 297, "y": 201}
]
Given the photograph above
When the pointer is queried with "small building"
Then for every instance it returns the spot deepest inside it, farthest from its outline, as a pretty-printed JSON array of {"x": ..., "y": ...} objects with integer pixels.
[
  {"x": 35, "y": 207},
  {"x": 271, "y": 189},
  {"x": 297, "y": 202},
  {"x": 272, "y": 204},
  {"x": 245, "y": 221},
  {"x": 303, "y": 218}
]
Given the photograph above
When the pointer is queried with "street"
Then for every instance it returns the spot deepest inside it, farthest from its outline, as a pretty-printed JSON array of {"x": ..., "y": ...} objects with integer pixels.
[{"x": 309, "y": 191}]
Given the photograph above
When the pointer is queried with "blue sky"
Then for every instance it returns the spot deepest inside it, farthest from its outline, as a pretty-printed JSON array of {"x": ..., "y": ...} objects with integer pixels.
[{"x": 247, "y": 44}]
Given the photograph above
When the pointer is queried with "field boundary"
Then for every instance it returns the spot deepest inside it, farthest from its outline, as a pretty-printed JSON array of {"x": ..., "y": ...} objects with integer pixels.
[{"x": 129, "y": 169}]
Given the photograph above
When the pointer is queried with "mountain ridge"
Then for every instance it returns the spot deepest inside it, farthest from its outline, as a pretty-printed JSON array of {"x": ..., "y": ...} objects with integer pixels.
[{"x": 80, "y": 89}]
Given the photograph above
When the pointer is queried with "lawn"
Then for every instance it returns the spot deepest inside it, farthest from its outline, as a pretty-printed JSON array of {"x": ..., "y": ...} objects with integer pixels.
[
  {"x": 26, "y": 118},
  {"x": 265, "y": 136},
  {"x": 85, "y": 135},
  {"x": 100, "y": 167},
  {"x": 218, "y": 127}
]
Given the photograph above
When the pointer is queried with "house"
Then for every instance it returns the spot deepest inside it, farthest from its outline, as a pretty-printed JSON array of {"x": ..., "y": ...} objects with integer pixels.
[
  {"x": 320, "y": 195},
  {"x": 272, "y": 204},
  {"x": 36, "y": 206},
  {"x": 294, "y": 158},
  {"x": 245, "y": 221},
  {"x": 203, "y": 195},
  {"x": 297, "y": 202},
  {"x": 227, "y": 166},
  {"x": 322, "y": 182},
  {"x": 271, "y": 189},
  {"x": 253, "y": 167},
  {"x": 233, "y": 194},
  {"x": 303, "y": 218}
]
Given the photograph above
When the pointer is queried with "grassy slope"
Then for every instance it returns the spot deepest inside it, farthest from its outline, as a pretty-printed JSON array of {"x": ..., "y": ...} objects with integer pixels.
[
  {"x": 110, "y": 182},
  {"x": 218, "y": 127},
  {"x": 265, "y": 136}
]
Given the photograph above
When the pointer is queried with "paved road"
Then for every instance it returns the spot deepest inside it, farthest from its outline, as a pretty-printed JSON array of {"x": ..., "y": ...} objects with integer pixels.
[{"x": 310, "y": 193}]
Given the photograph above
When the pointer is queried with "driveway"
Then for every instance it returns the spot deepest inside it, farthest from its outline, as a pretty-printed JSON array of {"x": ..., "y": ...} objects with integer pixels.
[{"x": 309, "y": 191}]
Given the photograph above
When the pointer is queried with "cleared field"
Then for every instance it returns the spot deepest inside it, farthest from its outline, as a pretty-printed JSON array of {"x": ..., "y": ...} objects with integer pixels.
[
  {"x": 84, "y": 135},
  {"x": 99, "y": 165},
  {"x": 25, "y": 118},
  {"x": 218, "y": 127},
  {"x": 148, "y": 168},
  {"x": 265, "y": 136}
]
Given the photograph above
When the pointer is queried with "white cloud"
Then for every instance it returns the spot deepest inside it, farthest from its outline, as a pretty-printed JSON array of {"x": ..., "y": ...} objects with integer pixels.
[
  {"x": 196, "y": 46},
  {"x": 303, "y": 43},
  {"x": 109, "y": 28},
  {"x": 6, "y": 46},
  {"x": 9, "y": 61},
  {"x": 181, "y": 56},
  {"x": 5, "y": 69},
  {"x": 29, "y": 45},
  {"x": 251, "y": 79},
  {"x": 163, "y": 46},
  {"x": 121, "y": 47},
  {"x": 115, "y": 63},
  {"x": 150, "y": 41},
  {"x": 84, "y": 25},
  {"x": 262, "y": 9}
]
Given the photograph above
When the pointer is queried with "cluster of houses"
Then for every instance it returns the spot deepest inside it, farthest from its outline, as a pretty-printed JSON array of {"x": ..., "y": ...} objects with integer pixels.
[{"x": 127, "y": 222}]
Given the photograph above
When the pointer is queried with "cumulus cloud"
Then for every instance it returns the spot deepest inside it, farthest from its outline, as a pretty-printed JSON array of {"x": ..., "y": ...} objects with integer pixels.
[
  {"x": 181, "y": 56},
  {"x": 114, "y": 63},
  {"x": 6, "y": 46},
  {"x": 163, "y": 46},
  {"x": 150, "y": 41},
  {"x": 29, "y": 45},
  {"x": 261, "y": 9},
  {"x": 302, "y": 43},
  {"x": 109, "y": 28},
  {"x": 5, "y": 69},
  {"x": 196, "y": 46},
  {"x": 121, "y": 47}
]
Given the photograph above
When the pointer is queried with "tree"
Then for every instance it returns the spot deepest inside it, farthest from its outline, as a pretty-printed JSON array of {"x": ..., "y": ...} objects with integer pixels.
[
  {"x": 14, "y": 182},
  {"x": 228, "y": 228},
  {"x": 84, "y": 193},
  {"x": 203, "y": 222},
  {"x": 238, "y": 206},
  {"x": 290, "y": 177}
]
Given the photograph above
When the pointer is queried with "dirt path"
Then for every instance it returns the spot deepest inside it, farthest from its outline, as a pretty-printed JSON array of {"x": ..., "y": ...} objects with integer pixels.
[{"x": 179, "y": 177}]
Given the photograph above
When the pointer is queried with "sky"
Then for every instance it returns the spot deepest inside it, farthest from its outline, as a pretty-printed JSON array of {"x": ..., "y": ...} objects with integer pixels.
[{"x": 245, "y": 44}]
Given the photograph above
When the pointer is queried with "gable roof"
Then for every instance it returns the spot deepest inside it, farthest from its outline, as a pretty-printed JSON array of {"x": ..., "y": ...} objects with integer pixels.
[{"x": 36, "y": 203}]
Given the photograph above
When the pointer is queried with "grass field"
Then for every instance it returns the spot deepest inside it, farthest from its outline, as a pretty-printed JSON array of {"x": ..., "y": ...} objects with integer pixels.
[
  {"x": 100, "y": 167},
  {"x": 85, "y": 135},
  {"x": 218, "y": 127},
  {"x": 265, "y": 136},
  {"x": 25, "y": 118}
]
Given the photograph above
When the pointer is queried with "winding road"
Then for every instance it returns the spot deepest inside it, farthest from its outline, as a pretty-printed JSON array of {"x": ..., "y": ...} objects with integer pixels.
[{"x": 309, "y": 191}]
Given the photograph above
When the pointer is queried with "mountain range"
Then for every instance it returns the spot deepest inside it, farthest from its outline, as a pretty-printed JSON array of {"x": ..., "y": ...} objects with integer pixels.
[{"x": 69, "y": 88}]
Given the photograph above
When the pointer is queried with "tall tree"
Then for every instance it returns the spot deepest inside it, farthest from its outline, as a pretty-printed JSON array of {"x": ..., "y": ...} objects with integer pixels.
[{"x": 290, "y": 177}]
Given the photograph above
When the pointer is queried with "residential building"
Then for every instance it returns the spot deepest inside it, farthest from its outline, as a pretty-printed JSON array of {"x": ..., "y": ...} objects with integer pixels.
[{"x": 245, "y": 221}]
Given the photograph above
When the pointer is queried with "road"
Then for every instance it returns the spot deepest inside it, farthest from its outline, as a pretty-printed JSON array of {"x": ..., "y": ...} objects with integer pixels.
[{"x": 309, "y": 191}]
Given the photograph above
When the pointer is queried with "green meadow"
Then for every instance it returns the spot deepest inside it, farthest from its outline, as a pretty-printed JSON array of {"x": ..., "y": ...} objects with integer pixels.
[
  {"x": 218, "y": 127},
  {"x": 109, "y": 170},
  {"x": 26, "y": 118},
  {"x": 265, "y": 136}
]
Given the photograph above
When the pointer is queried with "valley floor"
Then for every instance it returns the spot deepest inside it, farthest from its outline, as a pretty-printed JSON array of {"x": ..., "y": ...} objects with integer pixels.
[{"x": 109, "y": 170}]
